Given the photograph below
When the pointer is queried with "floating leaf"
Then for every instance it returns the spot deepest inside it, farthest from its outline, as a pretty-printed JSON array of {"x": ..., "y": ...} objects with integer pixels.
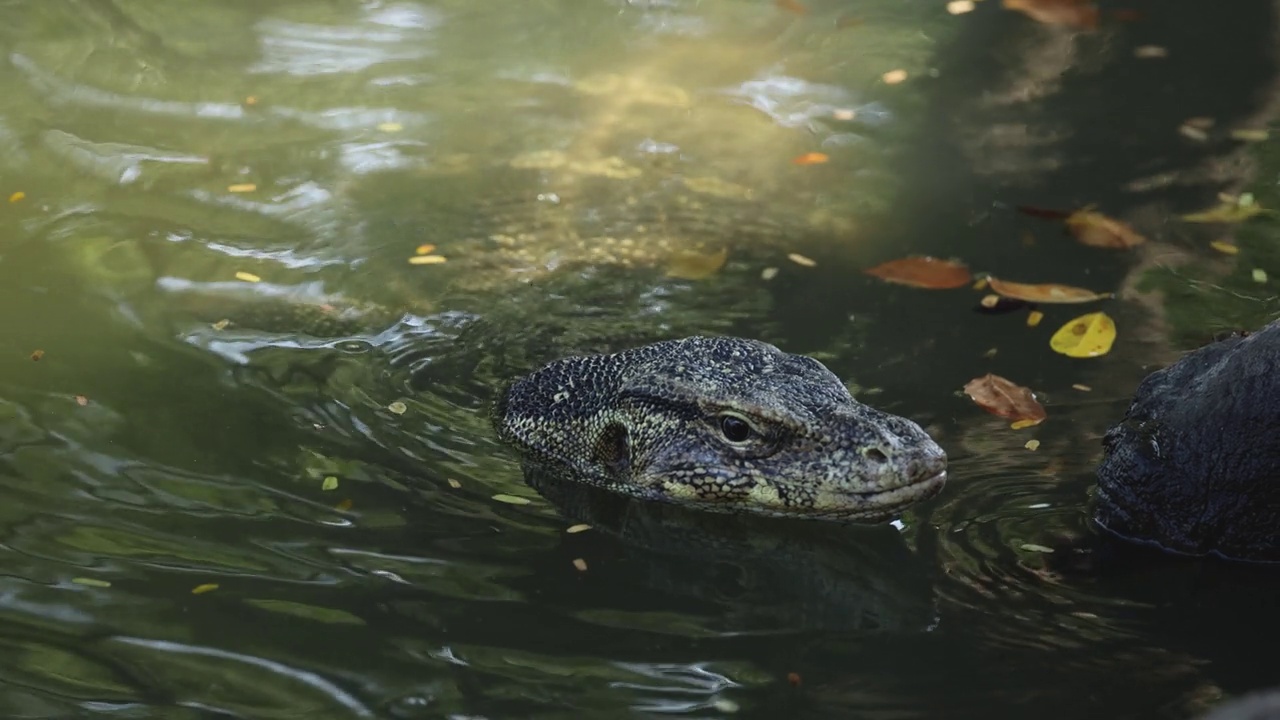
[
  {"x": 426, "y": 259},
  {"x": 17, "y": 197},
  {"x": 329, "y": 483},
  {"x": 424, "y": 249},
  {"x": 1045, "y": 293},
  {"x": 242, "y": 188},
  {"x": 1002, "y": 397},
  {"x": 221, "y": 324},
  {"x": 923, "y": 272},
  {"x": 398, "y": 407},
  {"x": 247, "y": 277},
  {"x": 960, "y": 7},
  {"x": 344, "y": 505},
  {"x": 202, "y": 589},
  {"x": 1031, "y": 547},
  {"x": 1227, "y": 212},
  {"x": 581, "y": 527},
  {"x": 1098, "y": 230},
  {"x": 580, "y": 564},
  {"x": 36, "y": 355},
  {"x": 697, "y": 266},
  {"x": 91, "y": 582},
  {"x": 813, "y": 158},
  {"x": 791, "y": 6},
  {"x": 1259, "y": 275},
  {"x": 390, "y": 127},
  {"x": 1082, "y": 388},
  {"x": 799, "y": 259},
  {"x": 82, "y": 401},
  {"x": 511, "y": 499},
  {"x": 769, "y": 273},
  {"x": 1249, "y": 135},
  {"x": 1085, "y": 337},
  {"x": 893, "y": 77},
  {"x": 1073, "y": 13},
  {"x": 1023, "y": 424},
  {"x": 1147, "y": 52},
  {"x": 1032, "y": 445},
  {"x": 453, "y": 483},
  {"x": 793, "y": 679},
  {"x": 1225, "y": 247},
  {"x": 1034, "y": 318}
]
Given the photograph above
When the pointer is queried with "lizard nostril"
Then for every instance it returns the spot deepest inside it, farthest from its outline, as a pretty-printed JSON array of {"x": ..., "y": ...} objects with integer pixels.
[{"x": 875, "y": 455}]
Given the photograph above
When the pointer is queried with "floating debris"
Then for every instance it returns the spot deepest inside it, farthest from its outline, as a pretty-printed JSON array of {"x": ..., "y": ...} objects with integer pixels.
[
  {"x": 893, "y": 77},
  {"x": 202, "y": 589},
  {"x": 242, "y": 188},
  {"x": 426, "y": 259},
  {"x": 329, "y": 483},
  {"x": 511, "y": 499},
  {"x": 247, "y": 277},
  {"x": 1032, "y": 445},
  {"x": 580, "y": 527},
  {"x": 580, "y": 564},
  {"x": 17, "y": 197},
  {"x": 390, "y": 127},
  {"x": 453, "y": 483},
  {"x": 398, "y": 407},
  {"x": 799, "y": 259},
  {"x": 91, "y": 582}
]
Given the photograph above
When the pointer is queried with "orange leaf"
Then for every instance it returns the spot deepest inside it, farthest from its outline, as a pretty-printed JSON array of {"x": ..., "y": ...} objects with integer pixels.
[
  {"x": 813, "y": 158},
  {"x": 1046, "y": 293},
  {"x": 1073, "y": 13},
  {"x": 791, "y": 6},
  {"x": 1098, "y": 230},
  {"x": 924, "y": 272},
  {"x": 1001, "y": 397}
]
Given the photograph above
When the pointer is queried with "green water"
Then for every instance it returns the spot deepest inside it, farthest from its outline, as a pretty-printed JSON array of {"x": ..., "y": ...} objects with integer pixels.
[{"x": 244, "y": 459}]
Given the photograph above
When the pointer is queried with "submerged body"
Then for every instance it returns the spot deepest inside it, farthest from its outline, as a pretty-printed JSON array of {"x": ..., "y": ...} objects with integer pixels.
[{"x": 723, "y": 424}]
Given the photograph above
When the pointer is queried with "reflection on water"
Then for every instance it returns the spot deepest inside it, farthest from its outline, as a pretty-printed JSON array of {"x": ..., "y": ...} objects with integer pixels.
[{"x": 243, "y": 438}]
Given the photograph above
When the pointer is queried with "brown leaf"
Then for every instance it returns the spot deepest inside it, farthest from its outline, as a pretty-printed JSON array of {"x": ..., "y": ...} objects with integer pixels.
[
  {"x": 924, "y": 272},
  {"x": 791, "y": 6},
  {"x": 1001, "y": 397},
  {"x": 1098, "y": 230},
  {"x": 36, "y": 355},
  {"x": 811, "y": 158},
  {"x": 1072, "y": 13},
  {"x": 1045, "y": 293}
]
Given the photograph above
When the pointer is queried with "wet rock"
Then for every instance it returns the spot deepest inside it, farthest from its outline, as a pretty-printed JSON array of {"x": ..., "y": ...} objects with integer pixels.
[{"x": 1195, "y": 465}]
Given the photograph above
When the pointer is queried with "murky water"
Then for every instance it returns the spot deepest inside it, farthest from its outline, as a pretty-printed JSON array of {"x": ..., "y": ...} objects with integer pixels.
[{"x": 246, "y": 465}]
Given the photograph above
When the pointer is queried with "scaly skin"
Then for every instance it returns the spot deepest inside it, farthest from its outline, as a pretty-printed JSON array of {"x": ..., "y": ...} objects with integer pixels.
[{"x": 650, "y": 422}]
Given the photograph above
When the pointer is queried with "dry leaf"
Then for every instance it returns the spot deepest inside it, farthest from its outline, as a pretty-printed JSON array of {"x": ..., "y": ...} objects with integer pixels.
[
  {"x": 248, "y": 277},
  {"x": 813, "y": 158},
  {"x": 390, "y": 127},
  {"x": 17, "y": 196},
  {"x": 511, "y": 499},
  {"x": 82, "y": 401},
  {"x": 1082, "y": 388},
  {"x": 893, "y": 77},
  {"x": 793, "y": 679},
  {"x": 91, "y": 582},
  {"x": 1147, "y": 52},
  {"x": 221, "y": 324},
  {"x": 923, "y": 272},
  {"x": 1072, "y": 13},
  {"x": 1045, "y": 293},
  {"x": 1032, "y": 445},
  {"x": 1191, "y": 132},
  {"x": 1031, "y": 547},
  {"x": 960, "y": 7},
  {"x": 581, "y": 527},
  {"x": 426, "y": 259},
  {"x": 580, "y": 564},
  {"x": 696, "y": 266},
  {"x": 1034, "y": 318},
  {"x": 1085, "y": 337},
  {"x": 1098, "y": 230},
  {"x": 799, "y": 259},
  {"x": 1225, "y": 247},
  {"x": 242, "y": 188},
  {"x": 1023, "y": 424},
  {"x": 36, "y": 355},
  {"x": 1001, "y": 397},
  {"x": 424, "y": 249},
  {"x": 344, "y": 505}
]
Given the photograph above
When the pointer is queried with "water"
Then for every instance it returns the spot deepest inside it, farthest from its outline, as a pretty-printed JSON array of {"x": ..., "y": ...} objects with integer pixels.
[{"x": 180, "y": 426}]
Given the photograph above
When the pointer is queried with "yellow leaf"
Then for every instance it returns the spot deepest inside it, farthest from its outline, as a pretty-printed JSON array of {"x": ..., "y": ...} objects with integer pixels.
[
  {"x": 578, "y": 528},
  {"x": 221, "y": 324},
  {"x": 398, "y": 407},
  {"x": 91, "y": 582},
  {"x": 242, "y": 188},
  {"x": 424, "y": 249},
  {"x": 247, "y": 277},
  {"x": 1032, "y": 445},
  {"x": 799, "y": 259},
  {"x": 454, "y": 483},
  {"x": 1087, "y": 336},
  {"x": 426, "y": 259},
  {"x": 697, "y": 266},
  {"x": 580, "y": 564},
  {"x": 511, "y": 499},
  {"x": 1249, "y": 135},
  {"x": 330, "y": 483},
  {"x": 17, "y": 197},
  {"x": 1023, "y": 424},
  {"x": 202, "y": 589},
  {"x": 1225, "y": 247},
  {"x": 1034, "y": 318},
  {"x": 1225, "y": 213},
  {"x": 1259, "y": 275},
  {"x": 1082, "y": 388},
  {"x": 390, "y": 127},
  {"x": 893, "y": 77}
]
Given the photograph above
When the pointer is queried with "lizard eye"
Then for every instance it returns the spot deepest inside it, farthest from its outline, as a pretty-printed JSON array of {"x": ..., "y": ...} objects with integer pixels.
[{"x": 734, "y": 428}]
